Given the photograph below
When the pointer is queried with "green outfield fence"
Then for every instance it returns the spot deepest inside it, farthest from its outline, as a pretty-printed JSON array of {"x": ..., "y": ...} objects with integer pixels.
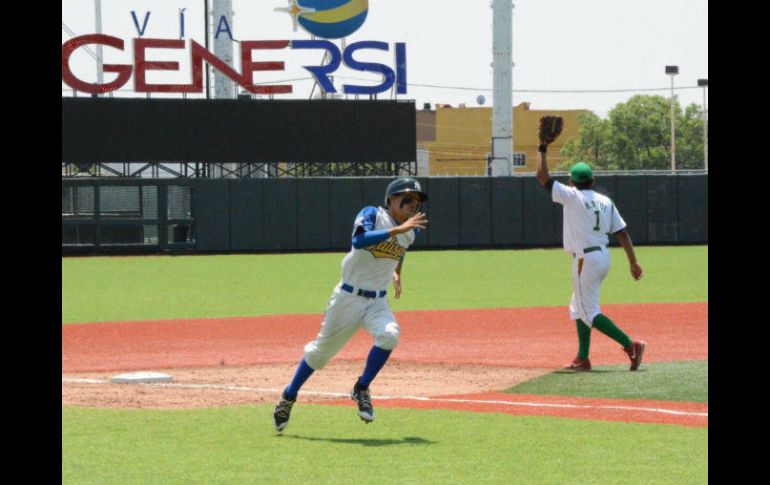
[{"x": 109, "y": 215}]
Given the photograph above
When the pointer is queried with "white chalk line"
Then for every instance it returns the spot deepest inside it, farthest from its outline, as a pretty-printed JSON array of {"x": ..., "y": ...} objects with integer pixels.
[{"x": 408, "y": 398}]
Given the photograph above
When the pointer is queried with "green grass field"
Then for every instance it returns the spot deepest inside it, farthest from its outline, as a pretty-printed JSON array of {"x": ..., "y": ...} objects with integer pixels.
[
  {"x": 665, "y": 381},
  {"x": 329, "y": 444},
  {"x": 165, "y": 287}
]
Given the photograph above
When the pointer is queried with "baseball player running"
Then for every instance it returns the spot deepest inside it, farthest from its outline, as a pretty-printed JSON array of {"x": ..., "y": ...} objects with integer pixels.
[
  {"x": 588, "y": 219},
  {"x": 380, "y": 238}
]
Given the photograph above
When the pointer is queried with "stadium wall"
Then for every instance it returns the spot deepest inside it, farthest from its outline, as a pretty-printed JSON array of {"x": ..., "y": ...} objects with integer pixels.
[{"x": 108, "y": 216}]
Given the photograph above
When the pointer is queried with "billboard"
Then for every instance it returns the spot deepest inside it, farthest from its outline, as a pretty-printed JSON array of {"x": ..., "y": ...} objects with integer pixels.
[{"x": 98, "y": 130}]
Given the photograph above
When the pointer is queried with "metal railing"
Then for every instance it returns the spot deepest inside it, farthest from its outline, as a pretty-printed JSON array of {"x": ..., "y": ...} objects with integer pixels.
[{"x": 213, "y": 170}]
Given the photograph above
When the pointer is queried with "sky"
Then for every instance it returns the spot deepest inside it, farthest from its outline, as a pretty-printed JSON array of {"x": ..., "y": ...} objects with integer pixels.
[{"x": 564, "y": 51}]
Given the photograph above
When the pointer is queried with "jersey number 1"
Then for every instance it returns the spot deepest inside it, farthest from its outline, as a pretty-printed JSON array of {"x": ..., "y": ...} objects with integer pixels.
[{"x": 596, "y": 227}]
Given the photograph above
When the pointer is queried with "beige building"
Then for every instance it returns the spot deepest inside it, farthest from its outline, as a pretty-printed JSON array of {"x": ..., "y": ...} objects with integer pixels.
[{"x": 458, "y": 140}]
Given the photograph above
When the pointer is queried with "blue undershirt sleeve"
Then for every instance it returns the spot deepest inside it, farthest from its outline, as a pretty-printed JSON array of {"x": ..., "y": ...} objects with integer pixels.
[{"x": 364, "y": 239}]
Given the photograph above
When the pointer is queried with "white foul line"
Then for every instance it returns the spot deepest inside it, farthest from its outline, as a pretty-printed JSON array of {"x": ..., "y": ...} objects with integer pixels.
[{"x": 408, "y": 398}]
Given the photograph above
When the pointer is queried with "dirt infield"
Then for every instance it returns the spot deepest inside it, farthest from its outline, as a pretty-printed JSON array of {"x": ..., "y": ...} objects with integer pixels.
[
  {"x": 262, "y": 383},
  {"x": 466, "y": 355}
]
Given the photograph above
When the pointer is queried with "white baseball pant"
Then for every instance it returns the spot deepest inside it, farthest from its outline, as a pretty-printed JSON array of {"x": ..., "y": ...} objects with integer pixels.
[
  {"x": 588, "y": 273},
  {"x": 345, "y": 314}
]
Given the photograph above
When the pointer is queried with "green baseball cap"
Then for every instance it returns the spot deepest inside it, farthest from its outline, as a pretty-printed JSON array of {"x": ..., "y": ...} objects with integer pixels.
[{"x": 581, "y": 173}]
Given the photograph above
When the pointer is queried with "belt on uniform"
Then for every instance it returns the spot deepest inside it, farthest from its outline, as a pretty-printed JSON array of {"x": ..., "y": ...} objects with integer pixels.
[
  {"x": 590, "y": 250},
  {"x": 364, "y": 293}
]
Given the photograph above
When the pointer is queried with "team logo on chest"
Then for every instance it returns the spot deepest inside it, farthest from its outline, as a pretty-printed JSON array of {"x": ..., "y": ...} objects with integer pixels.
[{"x": 388, "y": 249}]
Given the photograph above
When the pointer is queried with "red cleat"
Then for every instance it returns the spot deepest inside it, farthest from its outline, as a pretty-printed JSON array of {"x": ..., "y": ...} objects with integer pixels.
[
  {"x": 635, "y": 351},
  {"x": 579, "y": 365}
]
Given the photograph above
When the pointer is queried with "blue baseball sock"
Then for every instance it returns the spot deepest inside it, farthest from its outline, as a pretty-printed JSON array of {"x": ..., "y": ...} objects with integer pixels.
[
  {"x": 303, "y": 372},
  {"x": 375, "y": 362}
]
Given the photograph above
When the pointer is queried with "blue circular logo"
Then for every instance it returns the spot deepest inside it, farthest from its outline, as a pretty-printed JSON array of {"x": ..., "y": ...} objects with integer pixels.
[{"x": 330, "y": 19}]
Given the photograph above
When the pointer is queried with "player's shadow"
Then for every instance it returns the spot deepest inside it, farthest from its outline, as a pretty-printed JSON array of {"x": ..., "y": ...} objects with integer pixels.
[
  {"x": 597, "y": 371},
  {"x": 406, "y": 440},
  {"x": 593, "y": 371}
]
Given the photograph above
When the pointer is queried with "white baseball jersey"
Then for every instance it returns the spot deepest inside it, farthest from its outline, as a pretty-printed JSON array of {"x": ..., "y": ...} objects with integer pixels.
[
  {"x": 372, "y": 268},
  {"x": 588, "y": 217},
  {"x": 368, "y": 269}
]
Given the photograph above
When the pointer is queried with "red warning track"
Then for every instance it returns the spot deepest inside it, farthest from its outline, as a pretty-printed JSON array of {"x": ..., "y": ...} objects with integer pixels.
[{"x": 515, "y": 337}]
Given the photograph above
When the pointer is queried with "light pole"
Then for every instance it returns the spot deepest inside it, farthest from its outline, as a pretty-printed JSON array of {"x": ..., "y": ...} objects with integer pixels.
[
  {"x": 704, "y": 84},
  {"x": 206, "y": 34},
  {"x": 672, "y": 71},
  {"x": 99, "y": 57}
]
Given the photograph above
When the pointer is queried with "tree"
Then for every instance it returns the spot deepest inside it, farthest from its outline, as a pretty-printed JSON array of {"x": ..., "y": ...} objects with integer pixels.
[
  {"x": 637, "y": 136},
  {"x": 591, "y": 146},
  {"x": 689, "y": 129}
]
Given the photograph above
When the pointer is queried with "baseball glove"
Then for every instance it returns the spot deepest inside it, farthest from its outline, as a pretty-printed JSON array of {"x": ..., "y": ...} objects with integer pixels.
[{"x": 550, "y": 128}]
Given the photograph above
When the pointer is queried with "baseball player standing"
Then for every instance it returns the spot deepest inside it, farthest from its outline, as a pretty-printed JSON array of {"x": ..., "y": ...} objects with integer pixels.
[
  {"x": 380, "y": 238},
  {"x": 588, "y": 219}
]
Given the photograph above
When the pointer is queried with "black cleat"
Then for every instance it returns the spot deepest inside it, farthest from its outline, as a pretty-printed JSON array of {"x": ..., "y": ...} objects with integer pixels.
[
  {"x": 282, "y": 412},
  {"x": 364, "y": 398}
]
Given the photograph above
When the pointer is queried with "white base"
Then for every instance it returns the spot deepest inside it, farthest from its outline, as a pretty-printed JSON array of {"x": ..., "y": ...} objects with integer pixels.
[{"x": 141, "y": 377}]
